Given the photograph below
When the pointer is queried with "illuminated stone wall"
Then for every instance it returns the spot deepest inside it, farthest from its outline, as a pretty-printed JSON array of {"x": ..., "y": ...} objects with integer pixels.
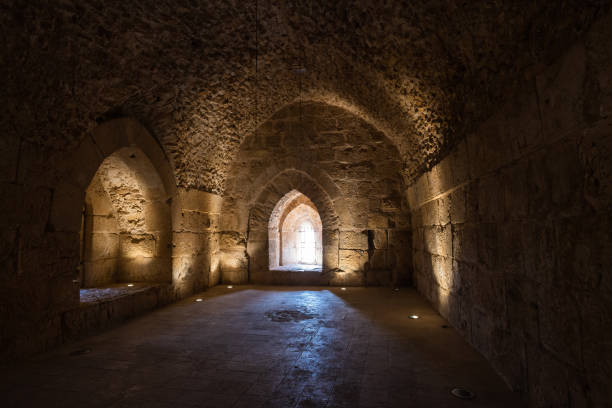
[
  {"x": 42, "y": 252},
  {"x": 127, "y": 224},
  {"x": 512, "y": 232},
  {"x": 352, "y": 174}
]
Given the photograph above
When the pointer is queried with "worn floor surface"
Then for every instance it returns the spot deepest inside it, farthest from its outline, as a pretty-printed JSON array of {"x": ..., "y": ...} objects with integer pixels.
[
  {"x": 299, "y": 268},
  {"x": 255, "y": 346}
]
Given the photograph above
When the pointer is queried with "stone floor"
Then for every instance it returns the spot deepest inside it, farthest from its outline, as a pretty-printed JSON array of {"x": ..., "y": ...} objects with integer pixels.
[
  {"x": 299, "y": 268},
  {"x": 258, "y": 346}
]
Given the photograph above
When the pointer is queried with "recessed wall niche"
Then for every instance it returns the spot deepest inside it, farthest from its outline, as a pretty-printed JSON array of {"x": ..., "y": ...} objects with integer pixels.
[
  {"x": 126, "y": 223},
  {"x": 295, "y": 234}
]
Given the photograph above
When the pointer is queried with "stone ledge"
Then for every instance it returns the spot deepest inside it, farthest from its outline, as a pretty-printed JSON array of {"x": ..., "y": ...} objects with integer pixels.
[{"x": 102, "y": 308}]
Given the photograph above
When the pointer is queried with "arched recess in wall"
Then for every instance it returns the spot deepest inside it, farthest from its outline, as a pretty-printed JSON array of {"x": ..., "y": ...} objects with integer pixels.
[
  {"x": 115, "y": 150},
  {"x": 262, "y": 210},
  {"x": 295, "y": 234},
  {"x": 126, "y": 229}
]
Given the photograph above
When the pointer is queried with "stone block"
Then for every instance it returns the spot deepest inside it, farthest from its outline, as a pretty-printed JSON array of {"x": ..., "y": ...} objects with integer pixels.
[
  {"x": 429, "y": 213},
  {"x": 471, "y": 202},
  {"x": 457, "y": 210},
  {"x": 440, "y": 177},
  {"x": 442, "y": 268},
  {"x": 423, "y": 190},
  {"x": 347, "y": 278},
  {"x": 188, "y": 244},
  {"x": 145, "y": 270},
  {"x": 101, "y": 246},
  {"x": 351, "y": 260},
  {"x": 196, "y": 200},
  {"x": 465, "y": 243},
  {"x": 232, "y": 240},
  {"x": 354, "y": 240},
  {"x": 418, "y": 239},
  {"x": 137, "y": 245},
  {"x": 330, "y": 257},
  {"x": 157, "y": 216},
  {"x": 438, "y": 240},
  {"x": 103, "y": 224},
  {"x": 357, "y": 216},
  {"x": 412, "y": 196},
  {"x": 377, "y": 220},
  {"x": 99, "y": 273},
  {"x": 234, "y": 271},
  {"x": 195, "y": 221}
]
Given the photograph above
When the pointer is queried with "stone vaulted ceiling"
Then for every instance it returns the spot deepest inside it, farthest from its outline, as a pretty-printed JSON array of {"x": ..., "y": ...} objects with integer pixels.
[{"x": 201, "y": 75}]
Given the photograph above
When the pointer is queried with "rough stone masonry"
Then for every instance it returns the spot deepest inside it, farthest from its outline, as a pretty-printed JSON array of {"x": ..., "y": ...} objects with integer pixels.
[{"x": 460, "y": 147}]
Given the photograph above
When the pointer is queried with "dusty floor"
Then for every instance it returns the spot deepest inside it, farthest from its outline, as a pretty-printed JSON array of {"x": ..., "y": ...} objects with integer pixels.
[
  {"x": 299, "y": 268},
  {"x": 256, "y": 346}
]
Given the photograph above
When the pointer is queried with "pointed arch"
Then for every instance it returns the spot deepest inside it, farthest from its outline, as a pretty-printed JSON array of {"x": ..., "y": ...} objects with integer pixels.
[{"x": 265, "y": 206}]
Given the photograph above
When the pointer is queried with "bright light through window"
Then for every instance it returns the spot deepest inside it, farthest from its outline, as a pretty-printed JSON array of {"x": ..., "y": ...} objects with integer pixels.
[{"x": 306, "y": 244}]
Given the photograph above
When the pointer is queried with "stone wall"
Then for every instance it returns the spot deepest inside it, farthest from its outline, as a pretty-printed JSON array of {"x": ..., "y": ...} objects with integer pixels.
[
  {"x": 351, "y": 173},
  {"x": 512, "y": 232},
  {"x": 43, "y": 193}
]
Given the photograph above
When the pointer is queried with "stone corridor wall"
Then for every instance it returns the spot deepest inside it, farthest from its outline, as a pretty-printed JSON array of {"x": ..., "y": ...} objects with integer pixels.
[
  {"x": 343, "y": 165},
  {"x": 512, "y": 232},
  {"x": 42, "y": 197}
]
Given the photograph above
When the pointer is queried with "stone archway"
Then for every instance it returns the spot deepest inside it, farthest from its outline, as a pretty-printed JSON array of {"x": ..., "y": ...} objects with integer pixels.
[
  {"x": 123, "y": 137},
  {"x": 295, "y": 234},
  {"x": 126, "y": 231},
  {"x": 262, "y": 211}
]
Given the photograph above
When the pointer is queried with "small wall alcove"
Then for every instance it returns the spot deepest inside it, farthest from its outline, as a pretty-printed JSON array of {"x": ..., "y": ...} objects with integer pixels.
[{"x": 295, "y": 234}]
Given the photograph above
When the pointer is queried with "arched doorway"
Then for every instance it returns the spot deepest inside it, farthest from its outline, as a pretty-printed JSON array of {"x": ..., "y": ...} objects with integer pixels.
[{"x": 295, "y": 234}]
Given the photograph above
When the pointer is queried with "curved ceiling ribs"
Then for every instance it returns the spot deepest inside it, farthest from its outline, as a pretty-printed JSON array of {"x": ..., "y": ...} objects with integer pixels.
[{"x": 423, "y": 73}]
